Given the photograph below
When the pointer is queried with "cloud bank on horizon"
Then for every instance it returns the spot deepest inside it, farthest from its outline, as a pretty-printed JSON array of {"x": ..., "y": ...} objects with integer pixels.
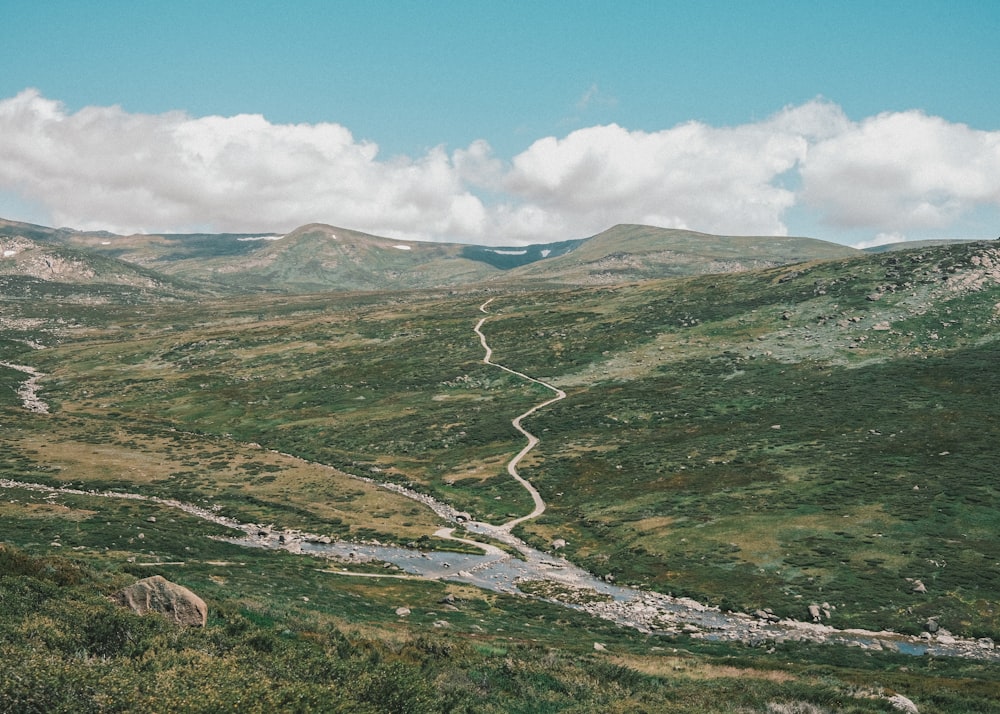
[{"x": 885, "y": 177}]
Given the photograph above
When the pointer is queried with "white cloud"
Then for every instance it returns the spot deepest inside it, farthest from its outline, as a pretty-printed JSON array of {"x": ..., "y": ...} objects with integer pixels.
[
  {"x": 691, "y": 176},
  {"x": 105, "y": 168},
  {"x": 902, "y": 171},
  {"x": 880, "y": 239},
  {"x": 102, "y": 167}
]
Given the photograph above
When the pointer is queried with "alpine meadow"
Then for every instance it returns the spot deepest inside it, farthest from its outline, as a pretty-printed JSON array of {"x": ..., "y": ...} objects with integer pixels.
[{"x": 650, "y": 470}]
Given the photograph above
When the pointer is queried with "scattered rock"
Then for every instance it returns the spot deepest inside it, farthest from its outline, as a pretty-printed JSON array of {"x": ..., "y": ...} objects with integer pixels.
[
  {"x": 157, "y": 594},
  {"x": 402, "y": 611},
  {"x": 599, "y": 647},
  {"x": 932, "y": 625},
  {"x": 901, "y": 703},
  {"x": 558, "y": 544},
  {"x": 918, "y": 587},
  {"x": 815, "y": 613}
]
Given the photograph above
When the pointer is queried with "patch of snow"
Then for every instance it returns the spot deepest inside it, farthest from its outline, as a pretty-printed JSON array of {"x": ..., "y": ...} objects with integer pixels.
[
  {"x": 105, "y": 242},
  {"x": 508, "y": 252},
  {"x": 270, "y": 237},
  {"x": 545, "y": 252},
  {"x": 403, "y": 247},
  {"x": 9, "y": 253}
]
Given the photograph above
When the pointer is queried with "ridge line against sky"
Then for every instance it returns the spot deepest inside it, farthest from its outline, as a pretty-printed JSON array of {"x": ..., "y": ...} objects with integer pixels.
[{"x": 504, "y": 123}]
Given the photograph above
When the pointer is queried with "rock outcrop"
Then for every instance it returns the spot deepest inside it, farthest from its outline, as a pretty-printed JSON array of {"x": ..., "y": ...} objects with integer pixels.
[{"x": 157, "y": 594}]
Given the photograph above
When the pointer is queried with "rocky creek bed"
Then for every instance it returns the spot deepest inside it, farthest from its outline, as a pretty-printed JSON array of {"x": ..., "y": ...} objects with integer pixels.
[{"x": 499, "y": 571}]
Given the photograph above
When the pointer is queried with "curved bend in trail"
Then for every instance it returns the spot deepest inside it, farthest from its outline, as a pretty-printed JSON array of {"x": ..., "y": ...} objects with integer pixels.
[{"x": 539, "y": 508}]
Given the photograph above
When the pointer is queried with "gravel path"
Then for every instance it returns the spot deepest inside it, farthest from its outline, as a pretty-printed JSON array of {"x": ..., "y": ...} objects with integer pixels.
[{"x": 539, "y": 508}]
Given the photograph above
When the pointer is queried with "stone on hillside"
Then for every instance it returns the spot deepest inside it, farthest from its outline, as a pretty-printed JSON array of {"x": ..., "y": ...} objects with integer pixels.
[
  {"x": 157, "y": 594},
  {"x": 815, "y": 613},
  {"x": 558, "y": 543},
  {"x": 918, "y": 587},
  {"x": 402, "y": 611},
  {"x": 901, "y": 703}
]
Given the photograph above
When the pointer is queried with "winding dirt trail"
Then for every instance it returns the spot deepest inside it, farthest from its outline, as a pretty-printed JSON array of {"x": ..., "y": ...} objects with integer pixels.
[{"x": 539, "y": 508}]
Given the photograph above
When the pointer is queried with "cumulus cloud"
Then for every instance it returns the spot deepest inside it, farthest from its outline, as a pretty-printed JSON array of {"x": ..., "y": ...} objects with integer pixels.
[
  {"x": 902, "y": 171},
  {"x": 690, "y": 176},
  {"x": 102, "y": 167},
  {"x": 105, "y": 168}
]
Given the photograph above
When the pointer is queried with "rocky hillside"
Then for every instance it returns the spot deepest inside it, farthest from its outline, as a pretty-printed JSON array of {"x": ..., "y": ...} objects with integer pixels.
[{"x": 24, "y": 257}]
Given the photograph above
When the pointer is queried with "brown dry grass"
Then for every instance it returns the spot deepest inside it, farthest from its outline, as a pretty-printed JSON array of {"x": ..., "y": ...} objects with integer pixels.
[
  {"x": 692, "y": 669},
  {"x": 321, "y": 490}
]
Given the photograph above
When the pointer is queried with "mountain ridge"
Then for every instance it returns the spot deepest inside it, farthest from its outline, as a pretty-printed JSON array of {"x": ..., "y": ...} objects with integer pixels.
[{"x": 317, "y": 256}]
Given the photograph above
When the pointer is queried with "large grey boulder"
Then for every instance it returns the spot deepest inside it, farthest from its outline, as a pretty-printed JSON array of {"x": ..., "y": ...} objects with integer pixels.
[
  {"x": 157, "y": 594},
  {"x": 901, "y": 703}
]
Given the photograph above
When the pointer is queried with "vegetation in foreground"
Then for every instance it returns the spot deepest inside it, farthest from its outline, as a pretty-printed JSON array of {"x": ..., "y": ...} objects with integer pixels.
[{"x": 67, "y": 648}]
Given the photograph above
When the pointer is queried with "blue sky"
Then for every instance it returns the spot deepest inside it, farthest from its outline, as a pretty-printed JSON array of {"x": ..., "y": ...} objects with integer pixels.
[{"x": 496, "y": 122}]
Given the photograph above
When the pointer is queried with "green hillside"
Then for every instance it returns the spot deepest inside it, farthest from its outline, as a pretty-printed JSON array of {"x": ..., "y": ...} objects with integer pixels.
[
  {"x": 765, "y": 439},
  {"x": 633, "y": 252},
  {"x": 318, "y": 257}
]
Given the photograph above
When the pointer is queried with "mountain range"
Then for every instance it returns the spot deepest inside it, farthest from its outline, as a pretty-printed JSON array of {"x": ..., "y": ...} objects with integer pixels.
[{"x": 321, "y": 257}]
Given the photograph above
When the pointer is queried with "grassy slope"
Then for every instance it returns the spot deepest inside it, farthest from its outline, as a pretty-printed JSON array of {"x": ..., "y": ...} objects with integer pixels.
[
  {"x": 679, "y": 383},
  {"x": 761, "y": 440},
  {"x": 636, "y": 252}
]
